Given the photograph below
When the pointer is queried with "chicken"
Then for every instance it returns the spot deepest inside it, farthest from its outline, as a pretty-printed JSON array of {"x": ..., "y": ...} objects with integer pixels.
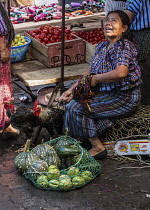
[
  {"x": 24, "y": 119},
  {"x": 49, "y": 118}
]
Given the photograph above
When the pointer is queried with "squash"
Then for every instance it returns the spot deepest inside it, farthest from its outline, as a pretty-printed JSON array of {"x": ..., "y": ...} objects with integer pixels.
[
  {"x": 65, "y": 184},
  {"x": 62, "y": 142},
  {"x": 42, "y": 181},
  {"x": 52, "y": 158},
  {"x": 67, "y": 151},
  {"x": 53, "y": 173},
  {"x": 41, "y": 150},
  {"x": 53, "y": 183},
  {"x": 25, "y": 159},
  {"x": 37, "y": 168},
  {"x": 78, "y": 181}
]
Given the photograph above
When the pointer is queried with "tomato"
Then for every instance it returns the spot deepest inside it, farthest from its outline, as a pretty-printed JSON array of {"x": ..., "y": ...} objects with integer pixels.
[
  {"x": 100, "y": 29},
  {"x": 42, "y": 36},
  {"x": 101, "y": 32},
  {"x": 96, "y": 39},
  {"x": 91, "y": 39},
  {"x": 52, "y": 40},
  {"x": 51, "y": 31},
  {"x": 46, "y": 40},
  {"x": 67, "y": 31},
  {"x": 33, "y": 34},
  {"x": 36, "y": 37},
  {"x": 45, "y": 31},
  {"x": 49, "y": 36},
  {"x": 36, "y": 31},
  {"x": 41, "y": 28},
  {"x": 55, "y": 36}
]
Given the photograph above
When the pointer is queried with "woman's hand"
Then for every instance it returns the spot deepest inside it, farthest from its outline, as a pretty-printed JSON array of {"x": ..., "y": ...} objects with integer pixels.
[
  {"x": 5, "y": 55},
  {"x": 94, "y": 81},
  {"x": 66, "y": 96}
]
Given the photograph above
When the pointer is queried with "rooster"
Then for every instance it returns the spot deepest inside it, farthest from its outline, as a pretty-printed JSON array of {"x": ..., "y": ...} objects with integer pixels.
[{"x": 49, "y": 118}]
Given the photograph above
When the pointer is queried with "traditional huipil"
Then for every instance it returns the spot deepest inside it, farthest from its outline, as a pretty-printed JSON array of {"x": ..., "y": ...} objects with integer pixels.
[
  {"x": 6, "y": 90},
  {"x": 114, "y": 100}
]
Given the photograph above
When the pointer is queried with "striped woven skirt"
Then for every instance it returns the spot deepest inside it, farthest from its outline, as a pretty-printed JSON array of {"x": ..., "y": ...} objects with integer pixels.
[{"x": 106, "y": 108}]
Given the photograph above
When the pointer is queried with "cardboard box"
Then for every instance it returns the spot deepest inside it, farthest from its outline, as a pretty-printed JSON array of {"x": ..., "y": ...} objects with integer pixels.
[{"x": 50, "y": 54}]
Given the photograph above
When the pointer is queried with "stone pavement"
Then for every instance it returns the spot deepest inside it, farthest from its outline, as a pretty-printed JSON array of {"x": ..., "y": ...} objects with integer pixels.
[
  {"x": 121, "y": 184},
  {"x": 116, "y": 188}
]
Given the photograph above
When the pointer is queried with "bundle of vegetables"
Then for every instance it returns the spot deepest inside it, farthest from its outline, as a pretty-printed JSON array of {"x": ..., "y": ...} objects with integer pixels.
[{"x": 61, "y": 164}]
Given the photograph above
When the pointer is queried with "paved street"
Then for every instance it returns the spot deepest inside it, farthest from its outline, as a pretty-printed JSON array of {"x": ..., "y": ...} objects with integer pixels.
[{"x": 122, "y": 185}]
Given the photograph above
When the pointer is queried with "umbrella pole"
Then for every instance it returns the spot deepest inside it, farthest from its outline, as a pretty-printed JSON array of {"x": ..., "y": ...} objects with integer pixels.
[{"x": 62, "y": 47}]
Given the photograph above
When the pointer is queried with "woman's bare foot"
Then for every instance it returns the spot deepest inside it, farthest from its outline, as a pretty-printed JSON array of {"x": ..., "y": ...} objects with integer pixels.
[
  {"x": 94, "y": 151},
  {"x": 97, "y": 146},
  {"x": 10, "y": 129}
]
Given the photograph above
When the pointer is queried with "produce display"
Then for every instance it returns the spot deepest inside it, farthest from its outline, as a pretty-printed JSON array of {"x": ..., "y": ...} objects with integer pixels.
[
  {"x": 94, "y": 36},
  {"x": 19, "y": 40},
  {"x": 19, "y": 47},
  {"x": 46, "y": 12},
  {"x": 59, "y": 164},
  {"x": 50, "y": 34}
]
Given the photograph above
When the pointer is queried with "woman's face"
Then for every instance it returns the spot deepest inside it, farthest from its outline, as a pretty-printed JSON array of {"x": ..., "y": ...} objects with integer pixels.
[{"x": 113, "y": 27}]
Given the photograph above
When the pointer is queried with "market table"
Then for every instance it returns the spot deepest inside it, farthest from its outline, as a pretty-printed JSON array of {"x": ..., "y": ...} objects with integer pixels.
[
  {"x": 33, "y": 73},
  {"x": 20, "y": 28}
]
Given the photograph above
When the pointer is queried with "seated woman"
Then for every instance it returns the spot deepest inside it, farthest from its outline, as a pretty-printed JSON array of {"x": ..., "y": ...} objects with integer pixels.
[{"x": 116, "y": 75}]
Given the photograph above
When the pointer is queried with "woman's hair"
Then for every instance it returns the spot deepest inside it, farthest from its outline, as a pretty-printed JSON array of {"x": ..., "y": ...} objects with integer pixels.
[
  {"x": 8, "y": 23},
  {"x": 125, "y": 21}
]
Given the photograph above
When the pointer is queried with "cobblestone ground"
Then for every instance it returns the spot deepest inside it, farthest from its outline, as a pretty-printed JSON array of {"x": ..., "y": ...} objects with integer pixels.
[{"x": 121, "y": 185}]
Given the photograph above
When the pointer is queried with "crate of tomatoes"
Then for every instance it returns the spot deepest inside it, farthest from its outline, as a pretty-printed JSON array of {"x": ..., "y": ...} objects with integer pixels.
[
  {"x": 46, "y": 46},
  {"x": 92, "y": 37}
]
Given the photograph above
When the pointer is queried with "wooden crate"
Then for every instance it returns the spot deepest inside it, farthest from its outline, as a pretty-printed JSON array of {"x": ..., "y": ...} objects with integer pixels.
[
  {"x": 50, "y": 54},
  {"x": 89, "y": 48},
  {"x": 90, "y": 51}
]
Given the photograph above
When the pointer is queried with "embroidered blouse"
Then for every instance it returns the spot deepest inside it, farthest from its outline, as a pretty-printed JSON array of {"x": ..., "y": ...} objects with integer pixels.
[
  {"x": 3, "y": 27},
  {"x": 121, "y": 53}
]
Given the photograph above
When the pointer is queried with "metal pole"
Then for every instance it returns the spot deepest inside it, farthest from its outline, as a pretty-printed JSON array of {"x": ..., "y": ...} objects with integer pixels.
[
  {"x": 62, "y": 47},
  {"x": 8, "y": 7}
]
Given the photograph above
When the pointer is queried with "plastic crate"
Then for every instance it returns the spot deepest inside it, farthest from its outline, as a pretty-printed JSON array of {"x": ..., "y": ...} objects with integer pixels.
[{"x": 18, "y": 53}]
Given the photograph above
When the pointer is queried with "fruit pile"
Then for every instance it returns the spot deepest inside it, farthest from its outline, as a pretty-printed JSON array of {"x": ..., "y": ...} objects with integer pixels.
[
  {"x": 19, "y": 40},
  {"x": 60, "y": 164},
  {"x": 92, "y": 36},
  {"x": 50, "y": 34}
]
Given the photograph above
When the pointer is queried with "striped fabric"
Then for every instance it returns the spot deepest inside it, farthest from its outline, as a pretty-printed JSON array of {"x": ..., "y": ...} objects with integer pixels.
[
  {"x": 6, "y": 90},
  {"x": 106, "y": 108},
  {"x": 141, "y": 9},
  {"x": 113, "y": 101},
  {"x": 3, "y": 27},
  {"x": 106, "y": 60},
  {"x": 111, "y": 5}
]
